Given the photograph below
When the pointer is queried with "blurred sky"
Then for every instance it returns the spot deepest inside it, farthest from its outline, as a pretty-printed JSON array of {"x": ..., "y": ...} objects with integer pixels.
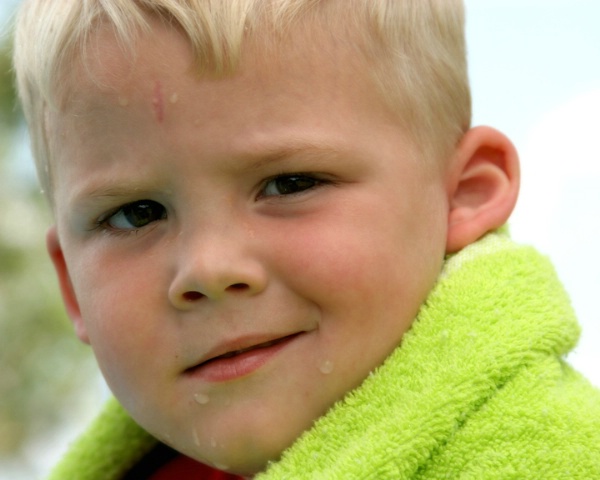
[{"x": 535, "y": 75}]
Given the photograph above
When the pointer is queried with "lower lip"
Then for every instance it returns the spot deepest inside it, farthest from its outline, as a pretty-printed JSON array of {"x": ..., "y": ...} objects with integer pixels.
[{"x": 225, "y": 369}]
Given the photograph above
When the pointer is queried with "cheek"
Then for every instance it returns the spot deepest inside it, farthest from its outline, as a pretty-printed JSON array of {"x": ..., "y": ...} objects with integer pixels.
[
  {"x": 341, "y": 266},
  {"x": 375, "y": 264},
  {"x": 350, "y": 245},
  {"x": 115, "y": 301}
]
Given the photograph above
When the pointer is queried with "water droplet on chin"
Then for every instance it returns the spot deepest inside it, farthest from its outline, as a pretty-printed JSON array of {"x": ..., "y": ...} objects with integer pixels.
[
  {"x": 326, "y": 367},
  {"x": 173, "y": 98},
  {"x": 123, "y": 101},
  {"x": 195, "y": 436},
  {"x": 213, "y": 443},
  {"x": 201, "y": 398},
  {"x": 220, "y": 466}
]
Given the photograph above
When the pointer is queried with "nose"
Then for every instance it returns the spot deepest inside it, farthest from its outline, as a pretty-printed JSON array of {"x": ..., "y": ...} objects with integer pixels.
[{"x": 212, "y": 267}]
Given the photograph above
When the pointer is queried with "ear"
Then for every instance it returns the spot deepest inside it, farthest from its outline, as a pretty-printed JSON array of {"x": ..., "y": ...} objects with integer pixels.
[
  {"x": 483, "y": 186},
  {"x": 66, "y": 287}
]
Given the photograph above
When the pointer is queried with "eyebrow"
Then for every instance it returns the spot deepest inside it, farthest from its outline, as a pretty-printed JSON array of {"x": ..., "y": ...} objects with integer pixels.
[
  {"x": 267, "y": 156},
  {"x": 250, "y": 161},
  {"x": 85, "y": 197},
  {"x": 114, "y": 191}
]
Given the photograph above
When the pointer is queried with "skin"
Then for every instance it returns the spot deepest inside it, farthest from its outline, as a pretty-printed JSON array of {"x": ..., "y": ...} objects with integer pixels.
[{"x": 229, "y": 259}]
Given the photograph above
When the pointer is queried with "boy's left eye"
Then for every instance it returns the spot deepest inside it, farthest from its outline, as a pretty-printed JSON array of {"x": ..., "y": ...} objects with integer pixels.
[{"x": 289, "y": 185}]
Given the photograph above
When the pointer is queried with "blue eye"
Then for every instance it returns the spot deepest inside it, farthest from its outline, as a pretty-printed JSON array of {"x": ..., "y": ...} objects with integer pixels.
[
  {"x": 289, "y": 185},
  {"x": 135, "y": 215}
]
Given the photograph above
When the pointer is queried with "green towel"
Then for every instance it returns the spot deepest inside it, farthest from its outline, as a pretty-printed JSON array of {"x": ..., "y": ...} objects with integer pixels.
[
  {"x": 477, "y": 390},
  {"x": 110, "y": 446}
]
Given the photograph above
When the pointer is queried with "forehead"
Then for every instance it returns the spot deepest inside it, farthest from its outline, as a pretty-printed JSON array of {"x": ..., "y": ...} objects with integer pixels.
[
  {"x": 105, "y": 66},
  {"x": 107, "y": 72},
  {"x": 109, "y": 59},
  {"x": 305, "y": 70}
]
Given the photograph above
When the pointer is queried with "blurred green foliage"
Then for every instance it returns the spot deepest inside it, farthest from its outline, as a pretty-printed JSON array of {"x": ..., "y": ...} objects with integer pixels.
[
  {"x": 9, "y": 113},
  {"x": 44, "y": 370}
]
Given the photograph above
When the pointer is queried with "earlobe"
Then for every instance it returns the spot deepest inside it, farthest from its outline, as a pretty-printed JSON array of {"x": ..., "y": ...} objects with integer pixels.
[
  {"x": 483, "y": 186},
  {"x": 68, "y": 294}
]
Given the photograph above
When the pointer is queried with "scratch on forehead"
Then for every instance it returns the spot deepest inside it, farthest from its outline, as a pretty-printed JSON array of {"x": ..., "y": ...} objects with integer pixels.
[{"x": 158, "y": 103}]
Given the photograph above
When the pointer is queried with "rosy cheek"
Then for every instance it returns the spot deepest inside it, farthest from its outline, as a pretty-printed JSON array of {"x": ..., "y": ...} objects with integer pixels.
[{"x": 336, "y": 265}]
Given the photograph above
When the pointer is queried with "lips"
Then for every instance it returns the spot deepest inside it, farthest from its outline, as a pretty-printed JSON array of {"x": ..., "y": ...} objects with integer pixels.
[
  {"x": 239, "y": 360},
  {"x": 244, "y": 350}
]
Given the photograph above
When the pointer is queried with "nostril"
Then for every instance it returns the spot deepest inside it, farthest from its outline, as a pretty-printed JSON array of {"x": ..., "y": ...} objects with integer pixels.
[
  {"x": 195, "y": 295},
  {"x": 192, "y": 296}
]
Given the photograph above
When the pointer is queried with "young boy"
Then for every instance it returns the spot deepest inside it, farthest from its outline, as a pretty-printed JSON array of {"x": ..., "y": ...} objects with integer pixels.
[{"x": 272, "y": 225}]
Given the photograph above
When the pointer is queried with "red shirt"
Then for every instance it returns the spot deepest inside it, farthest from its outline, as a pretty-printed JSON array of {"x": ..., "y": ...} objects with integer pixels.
[
  {"x": 183, "y": 467},
  {"x": 164, "y": 463}
]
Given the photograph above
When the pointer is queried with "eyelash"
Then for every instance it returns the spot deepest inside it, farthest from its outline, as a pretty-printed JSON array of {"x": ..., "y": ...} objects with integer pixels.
[
  {"x": 288, "y": 184},
  {"x": 147, "y": 207},
  {"x": 307, "y": 181}
]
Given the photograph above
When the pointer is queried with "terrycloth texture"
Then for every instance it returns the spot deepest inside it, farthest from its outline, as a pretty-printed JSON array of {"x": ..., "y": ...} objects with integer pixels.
[{"x": 477, "y": 390}]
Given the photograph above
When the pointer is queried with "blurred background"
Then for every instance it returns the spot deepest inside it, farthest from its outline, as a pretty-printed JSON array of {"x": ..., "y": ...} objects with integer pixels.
[
  {"x": 535, "y": 74},
  {"x": 48, "y": 381}
]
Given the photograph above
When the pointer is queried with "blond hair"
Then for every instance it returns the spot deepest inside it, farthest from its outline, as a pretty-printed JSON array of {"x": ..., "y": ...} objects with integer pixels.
[{"x": 415, "y": 50}]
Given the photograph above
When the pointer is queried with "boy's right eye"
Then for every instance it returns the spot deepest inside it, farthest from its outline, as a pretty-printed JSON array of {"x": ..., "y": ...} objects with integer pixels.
[{"x": 135, "y": 215}]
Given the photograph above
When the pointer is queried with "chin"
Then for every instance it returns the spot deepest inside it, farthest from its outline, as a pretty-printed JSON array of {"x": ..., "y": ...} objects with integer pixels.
[
  {"x": 247, "y": 464},
  {"x": 247, "y": 440}
]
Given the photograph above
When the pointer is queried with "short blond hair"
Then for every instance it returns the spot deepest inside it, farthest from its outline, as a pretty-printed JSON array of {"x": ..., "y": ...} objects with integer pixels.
[{"x": 415, "y": 51}]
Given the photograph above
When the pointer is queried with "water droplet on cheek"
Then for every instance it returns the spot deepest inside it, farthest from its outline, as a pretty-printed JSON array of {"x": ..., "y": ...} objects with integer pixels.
[
  {"x": 201, "y": 398},
  {"x": 123, "y": 101},
  {"x": 326, "y": 367}
]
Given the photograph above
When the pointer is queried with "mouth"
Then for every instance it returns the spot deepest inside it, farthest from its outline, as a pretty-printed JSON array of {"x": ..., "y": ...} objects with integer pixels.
[
  {"x": 234, "y": 353},
  {"x": 239, "y": 362}
]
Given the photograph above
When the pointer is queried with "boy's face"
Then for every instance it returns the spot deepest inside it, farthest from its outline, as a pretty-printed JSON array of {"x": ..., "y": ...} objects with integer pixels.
[{"x": 242, "y": 251}]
